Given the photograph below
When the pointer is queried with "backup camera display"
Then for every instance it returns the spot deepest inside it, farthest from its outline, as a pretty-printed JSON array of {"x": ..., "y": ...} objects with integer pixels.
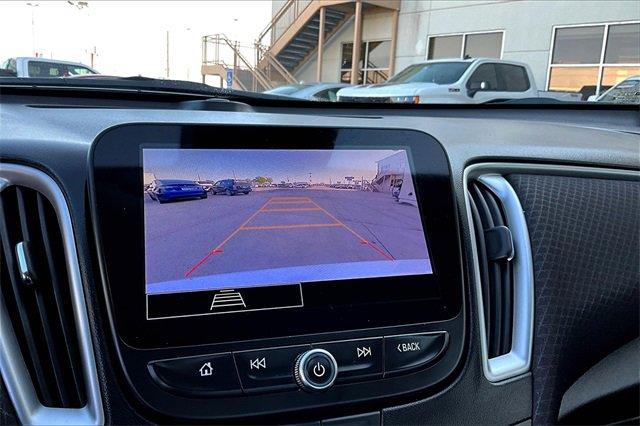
[{"x": 244, "y": 230}]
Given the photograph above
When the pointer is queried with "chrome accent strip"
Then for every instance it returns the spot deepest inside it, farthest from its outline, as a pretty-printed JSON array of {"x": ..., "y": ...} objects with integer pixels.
[
  {"x": 12, "y": 367},
  {"x": 518, "y": 361}
]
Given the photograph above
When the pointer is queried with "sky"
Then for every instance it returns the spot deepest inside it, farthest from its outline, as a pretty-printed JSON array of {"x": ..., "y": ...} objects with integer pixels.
[
  {"x": 128, "y": 38},
  {"x": 325, "y": 166}
]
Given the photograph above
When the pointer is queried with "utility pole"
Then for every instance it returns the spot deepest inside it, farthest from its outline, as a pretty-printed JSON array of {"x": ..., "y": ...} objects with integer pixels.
[
  {"x": 33, "y": 27},
  {"x": 167, "y": 53}
]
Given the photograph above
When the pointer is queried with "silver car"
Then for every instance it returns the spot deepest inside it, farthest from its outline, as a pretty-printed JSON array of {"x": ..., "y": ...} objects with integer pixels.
[{"x": 326, "y": 92}]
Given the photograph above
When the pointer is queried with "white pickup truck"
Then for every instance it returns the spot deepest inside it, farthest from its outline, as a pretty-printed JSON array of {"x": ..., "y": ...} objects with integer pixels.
[
  {"x": 43, "y": 68},
  {"x": 455, "y": 81}
]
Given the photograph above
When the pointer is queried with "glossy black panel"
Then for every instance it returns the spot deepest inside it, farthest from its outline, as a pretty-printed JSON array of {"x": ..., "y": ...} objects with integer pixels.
[{"x": 329, "y": 306}]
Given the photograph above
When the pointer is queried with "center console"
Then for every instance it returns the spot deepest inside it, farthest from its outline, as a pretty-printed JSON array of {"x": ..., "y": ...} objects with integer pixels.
[{"x": 268, "y": 271}]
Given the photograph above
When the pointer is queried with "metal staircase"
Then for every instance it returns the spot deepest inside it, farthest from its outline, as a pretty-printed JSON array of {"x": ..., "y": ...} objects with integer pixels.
[
  {"x": 291, "y": 39},
  {"x": 294, "y": 45}
]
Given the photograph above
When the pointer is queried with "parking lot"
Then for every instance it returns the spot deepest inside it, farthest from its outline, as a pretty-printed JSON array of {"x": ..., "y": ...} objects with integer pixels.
[{"x": 278, "y": 228}]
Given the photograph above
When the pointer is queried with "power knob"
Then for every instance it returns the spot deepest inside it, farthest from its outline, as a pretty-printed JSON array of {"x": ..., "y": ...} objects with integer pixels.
[{"x": 315, "y": 370}]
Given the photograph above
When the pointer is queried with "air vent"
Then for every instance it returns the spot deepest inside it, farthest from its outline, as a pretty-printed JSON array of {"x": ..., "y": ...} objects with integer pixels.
[
  {"x": 495, "y": 252},
  {"x": 46, "y": 359},
  {"x": 503, "y": 274},
  {"x": 36, "y": 294}
]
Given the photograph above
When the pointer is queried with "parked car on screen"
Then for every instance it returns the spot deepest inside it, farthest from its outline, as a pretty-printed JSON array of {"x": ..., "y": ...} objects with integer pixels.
[
  {"x": 164, "y": 190},
  {"x": 326, "y": 92},
  {"x": 231, "y": 187},
  {"x": 207, "y": 185},
  {"x": 300, "y": 184}
]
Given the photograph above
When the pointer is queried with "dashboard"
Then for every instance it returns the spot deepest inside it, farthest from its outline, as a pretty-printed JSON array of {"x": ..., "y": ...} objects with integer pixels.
[{"x": 238, "y": 263}]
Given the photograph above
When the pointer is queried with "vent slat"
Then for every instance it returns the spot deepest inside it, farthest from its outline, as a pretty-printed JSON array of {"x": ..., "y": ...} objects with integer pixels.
[
  {"x": 496, "y": 270},
  {"x": 68, "y": 344},
  {"x": 20, "y": 307},
  {"x": 40, "y": 309},
  {"x": 49, "y": 355},
  {"x": 496, "y": 278},
  {"x": 48, "y": 348},
  {"x": 482, "y": 259},
  {"x": 507, "y": 309}
]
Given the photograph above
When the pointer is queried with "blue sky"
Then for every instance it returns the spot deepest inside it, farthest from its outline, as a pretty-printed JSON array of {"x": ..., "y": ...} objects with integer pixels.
[{"x": 280, "y": 165}]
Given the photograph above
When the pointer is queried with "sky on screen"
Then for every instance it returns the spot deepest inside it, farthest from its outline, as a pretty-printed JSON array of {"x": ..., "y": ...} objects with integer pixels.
[{"x": 280, "y": 165}]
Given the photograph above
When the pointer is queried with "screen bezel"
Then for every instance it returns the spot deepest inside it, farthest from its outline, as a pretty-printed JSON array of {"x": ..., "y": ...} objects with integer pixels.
[{"x": 116, "y": 182}]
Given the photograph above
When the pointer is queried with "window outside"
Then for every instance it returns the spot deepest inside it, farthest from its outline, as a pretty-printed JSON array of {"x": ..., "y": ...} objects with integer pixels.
[
  {"x": 475, "y": 45},
  {"x": 374, "y": 62},
  {"x": 591, "y": 59}
]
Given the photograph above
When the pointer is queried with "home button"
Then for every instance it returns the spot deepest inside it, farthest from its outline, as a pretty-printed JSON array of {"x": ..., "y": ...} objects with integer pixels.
[{"x": 200, "y": 375}]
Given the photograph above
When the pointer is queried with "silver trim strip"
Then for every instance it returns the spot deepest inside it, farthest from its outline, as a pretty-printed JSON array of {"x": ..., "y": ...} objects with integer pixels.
[
  {"x": 518, "y": 361},
  {"x": 12, "y": 367}
]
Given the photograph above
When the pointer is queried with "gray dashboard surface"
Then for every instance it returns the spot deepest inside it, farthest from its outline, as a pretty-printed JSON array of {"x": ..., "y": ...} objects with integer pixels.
[{"x": 58, "y": 140}]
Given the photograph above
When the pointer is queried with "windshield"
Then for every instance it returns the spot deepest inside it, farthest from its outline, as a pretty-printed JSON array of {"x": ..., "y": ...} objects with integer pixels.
[
  {"x": 438, "y": 73},
  {"x": 414, "y": 52}
]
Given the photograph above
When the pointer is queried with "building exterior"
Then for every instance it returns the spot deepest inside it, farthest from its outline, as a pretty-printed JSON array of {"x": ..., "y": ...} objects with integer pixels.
[
  {"x": 394, "y": 176},
  {"x": 581, "y": 46}
]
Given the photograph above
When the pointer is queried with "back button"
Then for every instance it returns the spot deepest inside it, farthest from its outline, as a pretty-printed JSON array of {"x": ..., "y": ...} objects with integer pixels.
[{"x": 412, "y": 351}]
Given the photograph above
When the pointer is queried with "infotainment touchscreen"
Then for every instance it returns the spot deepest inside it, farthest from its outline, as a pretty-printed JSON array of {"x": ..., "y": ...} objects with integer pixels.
[{"x": 229, "y": 231}]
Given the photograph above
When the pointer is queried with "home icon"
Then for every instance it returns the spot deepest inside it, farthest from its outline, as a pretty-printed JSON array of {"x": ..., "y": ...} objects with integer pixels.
[{"x": 206, "y": 369}]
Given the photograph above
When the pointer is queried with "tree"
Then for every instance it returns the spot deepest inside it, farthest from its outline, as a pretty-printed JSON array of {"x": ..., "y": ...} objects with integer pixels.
[{"x": 262, "y": 180}]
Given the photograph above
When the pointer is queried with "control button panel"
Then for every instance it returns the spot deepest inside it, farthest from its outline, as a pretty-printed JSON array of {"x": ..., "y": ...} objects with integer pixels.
[
  {"x": 316, "y": 370},
  {"x": 268, "y": 369},
  {"x": 357, "y": 359},
  {"x": 201, "y": 375},
  {"x": 413, "y": 351},
  {"x": 312, "y": 367}
]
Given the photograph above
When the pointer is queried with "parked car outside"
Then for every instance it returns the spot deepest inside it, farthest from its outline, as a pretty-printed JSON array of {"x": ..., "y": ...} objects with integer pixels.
[
  {"x": 45, "y": 68},
  {"x": 625, "y": 92},
  {"x": 231, "y": 187},
  {"x": 459, "y": 81},
  {"x": 326, "y": 92},
  {"x": 300, "y": 184},
  {"x": 164, "y": 190}
]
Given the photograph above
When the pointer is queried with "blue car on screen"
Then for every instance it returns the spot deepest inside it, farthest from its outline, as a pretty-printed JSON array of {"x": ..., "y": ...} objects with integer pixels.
[{"x": 165, "y": 190}]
